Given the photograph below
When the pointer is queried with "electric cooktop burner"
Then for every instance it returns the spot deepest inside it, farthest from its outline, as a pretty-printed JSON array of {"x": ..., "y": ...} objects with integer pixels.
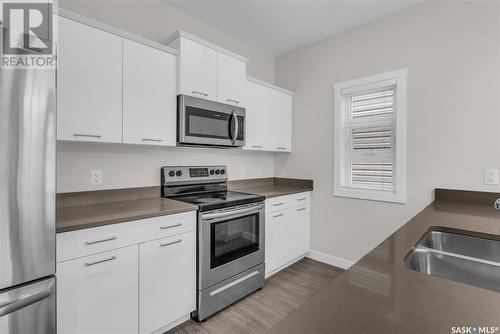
[{"x": 218, "y": 200}]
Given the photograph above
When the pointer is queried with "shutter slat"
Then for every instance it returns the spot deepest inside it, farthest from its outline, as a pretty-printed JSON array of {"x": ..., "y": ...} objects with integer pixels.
[
  {"x": 374, "y": 138},
  {"x": 372, "y": 104},
  {"x": 379, "y": 174}
]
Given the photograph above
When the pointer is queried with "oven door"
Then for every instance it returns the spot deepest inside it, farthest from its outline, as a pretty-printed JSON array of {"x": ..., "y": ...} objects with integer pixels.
[
  {"x": 203, "y": 122},
  {"x": 230, "y": 242}
]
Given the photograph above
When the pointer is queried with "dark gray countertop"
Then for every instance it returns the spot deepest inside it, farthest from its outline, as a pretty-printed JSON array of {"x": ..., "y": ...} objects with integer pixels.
[
  {"x": 379, "y": 294},
  {"x": 88, "y": 209}
]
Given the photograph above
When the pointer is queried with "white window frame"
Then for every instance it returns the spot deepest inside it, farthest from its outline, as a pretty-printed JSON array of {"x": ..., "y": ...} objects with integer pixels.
[{"x": 397, "y": 78}]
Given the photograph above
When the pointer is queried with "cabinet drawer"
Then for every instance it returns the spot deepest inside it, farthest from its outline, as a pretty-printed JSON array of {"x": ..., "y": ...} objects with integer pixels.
[
  {"x": 165, "y": 226},
  {"x": 288, "y": 201},
  {"x": 85, "y": 242}
]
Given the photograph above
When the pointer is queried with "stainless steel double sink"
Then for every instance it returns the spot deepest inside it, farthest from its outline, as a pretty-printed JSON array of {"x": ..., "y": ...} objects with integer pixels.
[{"x": 468, "y": 259}]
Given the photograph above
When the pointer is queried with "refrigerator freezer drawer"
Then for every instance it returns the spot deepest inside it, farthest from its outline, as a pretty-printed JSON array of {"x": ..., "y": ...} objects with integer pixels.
[{"x": 29, "y": 309}]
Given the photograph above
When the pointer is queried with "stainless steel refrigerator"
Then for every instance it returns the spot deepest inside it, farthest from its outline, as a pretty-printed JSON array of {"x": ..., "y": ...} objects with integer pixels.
[{"x": 27, "y": 201}]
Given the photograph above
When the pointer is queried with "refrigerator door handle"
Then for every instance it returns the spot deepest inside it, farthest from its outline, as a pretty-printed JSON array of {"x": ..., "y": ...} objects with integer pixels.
[{"x": 13, "y": 306}]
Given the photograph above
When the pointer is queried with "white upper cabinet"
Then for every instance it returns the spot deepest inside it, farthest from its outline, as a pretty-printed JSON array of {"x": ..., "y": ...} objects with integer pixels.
[
  {"x": 209, "y": 71},
  {"x": 268, "y": 117},
  {"x": 231, "y": 80},
  {"x": 280, "y": 120},
  {"x": 89, "y": 79},
  {"x": 197, "y": 69},
  {"x": 149, "y": 95},
  {"x": 257, "y": 104}
]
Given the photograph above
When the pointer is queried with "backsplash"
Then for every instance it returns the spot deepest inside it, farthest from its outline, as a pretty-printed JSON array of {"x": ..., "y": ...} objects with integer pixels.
[{"x": 125, "y": 166}]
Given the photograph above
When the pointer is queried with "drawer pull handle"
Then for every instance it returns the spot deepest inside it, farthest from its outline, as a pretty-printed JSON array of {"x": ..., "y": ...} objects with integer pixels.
[
  {"x": 257, "y": 146},
  {"x": 111, "y": 258},
  {"x": 231, "y": 100},
  {"x": 100, "y": 240},
  {"x": 170, "y": 226},
  {"x": 152, "y": 139},
  {"x": 281, "y": 214},
  {"x": 278, "y": 204},
  {"x": 86, "y": 135},
  {"x": 281, "y": 148},
  {"x": 301, "y": 209},
  {"x": 171, "y": 243},
  {"x": 301, "y": 199},
  {"x": 199, "y": 93}
]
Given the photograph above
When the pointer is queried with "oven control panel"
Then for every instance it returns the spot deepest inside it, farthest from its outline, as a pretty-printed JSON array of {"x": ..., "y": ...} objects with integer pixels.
[{"x": 193, "y": 174}]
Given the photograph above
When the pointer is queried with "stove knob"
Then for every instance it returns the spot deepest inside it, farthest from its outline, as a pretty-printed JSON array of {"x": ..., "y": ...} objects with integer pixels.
[
  {"x": 178, "y": 173},
  {"x": 171, "y": 173},
  {"x": 223, "y": 171},
  {"x": 217, "y": 172},
  {"x": 211, "y": 172}
]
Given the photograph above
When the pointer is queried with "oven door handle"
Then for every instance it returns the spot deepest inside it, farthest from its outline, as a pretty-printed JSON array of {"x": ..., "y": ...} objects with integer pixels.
[{"x": 238, "y": 212}]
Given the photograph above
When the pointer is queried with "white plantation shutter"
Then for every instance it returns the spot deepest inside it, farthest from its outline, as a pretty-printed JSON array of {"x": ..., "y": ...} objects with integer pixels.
[{"x": 369, "y": 158}]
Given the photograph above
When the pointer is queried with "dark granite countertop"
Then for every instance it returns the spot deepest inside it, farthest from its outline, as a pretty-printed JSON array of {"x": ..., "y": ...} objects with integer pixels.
[
  {"x": 379, "y": 294},
  {"x": 88, "y": 209}
]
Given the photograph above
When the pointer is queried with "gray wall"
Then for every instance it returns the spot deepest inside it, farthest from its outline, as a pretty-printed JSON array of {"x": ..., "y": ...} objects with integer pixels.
[
  {"x": 133, "y": 166},
  {"x": 451, "y": 50}
]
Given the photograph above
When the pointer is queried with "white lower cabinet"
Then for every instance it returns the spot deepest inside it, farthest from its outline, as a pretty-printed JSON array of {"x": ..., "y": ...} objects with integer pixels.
[
  {"x": 287, "y": 230},
  {"x": 167, "y": 281},
  {"x": 145, "y": 284},
  {"x": 98, "y": 293}
]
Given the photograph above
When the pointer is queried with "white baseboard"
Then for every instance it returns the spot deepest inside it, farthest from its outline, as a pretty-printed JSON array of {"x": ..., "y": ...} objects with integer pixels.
[{"x": 330, "y": 259}]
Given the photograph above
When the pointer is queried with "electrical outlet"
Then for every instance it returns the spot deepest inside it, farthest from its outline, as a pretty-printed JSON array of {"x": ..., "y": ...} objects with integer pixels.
[
  {"x": 96, "y": 177},
  {"x": 243, "y": 170},
  {"x": 491, "y": 176}
]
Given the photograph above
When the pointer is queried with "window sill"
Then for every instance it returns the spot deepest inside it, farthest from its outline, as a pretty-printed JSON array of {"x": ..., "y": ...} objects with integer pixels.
[{"x": 372, "y": 195}]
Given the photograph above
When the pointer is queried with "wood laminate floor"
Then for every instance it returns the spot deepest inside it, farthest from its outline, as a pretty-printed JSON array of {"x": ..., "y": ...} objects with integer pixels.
[{"x": 263, "y": 309}]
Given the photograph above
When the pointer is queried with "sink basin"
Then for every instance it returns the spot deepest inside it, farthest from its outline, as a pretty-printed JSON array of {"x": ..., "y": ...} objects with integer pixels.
[
  {"x": 481, "y": 248},
  {"x": 458, "y": 257}
]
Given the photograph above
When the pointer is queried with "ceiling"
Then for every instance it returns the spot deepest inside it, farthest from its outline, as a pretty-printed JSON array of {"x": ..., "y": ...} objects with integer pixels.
[{"x": 279, "y": 26}]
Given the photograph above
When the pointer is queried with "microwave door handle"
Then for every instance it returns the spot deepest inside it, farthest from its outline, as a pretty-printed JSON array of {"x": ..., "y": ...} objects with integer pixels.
[{"x": 233, "y": 127}]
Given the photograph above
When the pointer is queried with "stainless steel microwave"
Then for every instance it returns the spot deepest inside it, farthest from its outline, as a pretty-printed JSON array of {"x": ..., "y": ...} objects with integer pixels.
[{"x": 202, "y": 122}]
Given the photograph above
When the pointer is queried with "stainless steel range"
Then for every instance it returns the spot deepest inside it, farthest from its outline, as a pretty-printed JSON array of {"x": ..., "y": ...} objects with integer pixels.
[{"x": 230, "y": 235}]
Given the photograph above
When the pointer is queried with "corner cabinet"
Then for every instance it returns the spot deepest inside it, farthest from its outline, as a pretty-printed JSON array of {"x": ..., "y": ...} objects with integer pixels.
[
  {"x": 113, "y": 87},
  {"x": 133, "y": 277},
  {"x": 209, "y": 71},
  {"x": 268, "y": 117},
  {"x": 287, "y": 230}
]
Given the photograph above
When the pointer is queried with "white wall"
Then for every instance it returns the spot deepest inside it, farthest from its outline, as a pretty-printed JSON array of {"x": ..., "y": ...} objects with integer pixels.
[
  {"x": 136, "y": 166},
  {"x": 451, "y": 50}
]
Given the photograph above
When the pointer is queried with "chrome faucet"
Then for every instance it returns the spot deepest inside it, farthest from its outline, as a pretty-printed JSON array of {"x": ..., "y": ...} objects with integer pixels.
[{"x": 497, "y": 204}]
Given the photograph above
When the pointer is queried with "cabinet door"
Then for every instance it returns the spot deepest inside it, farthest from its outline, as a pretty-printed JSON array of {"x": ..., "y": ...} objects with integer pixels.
[
  {"x": 277, "y": 235},
  {"x": 99, "y": 293},
  {"x": 281, "y": 121},
  {"x": 257, "y": 104},
  {"x": 167, "y": 281},
  {"x": 149, "y": 95},
  {"x": 231, "y": 79},
  {"x": 299, "y": 231},
  {"x": 198, "y": 70},
  {"x": 89, "y": 84}
]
